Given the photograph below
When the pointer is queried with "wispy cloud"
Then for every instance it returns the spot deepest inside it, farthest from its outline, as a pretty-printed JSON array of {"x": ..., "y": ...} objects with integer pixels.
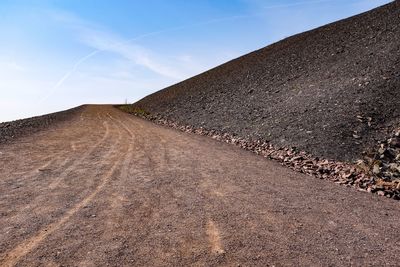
[
  {"x": 104, "y": 41},
  {"x": 101, "y": 40}
]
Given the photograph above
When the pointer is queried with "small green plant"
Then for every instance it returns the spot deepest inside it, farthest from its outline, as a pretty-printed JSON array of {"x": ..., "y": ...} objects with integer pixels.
[{"x": 133, "y": 110}]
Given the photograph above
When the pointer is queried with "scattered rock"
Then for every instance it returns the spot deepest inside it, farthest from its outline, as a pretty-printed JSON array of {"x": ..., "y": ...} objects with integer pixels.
[
  {"x": 394, "y": 142},
  {"x": 380, "y": 193},
  {"x": 376, "y": 169},
  {"x": 383, "y": 164},
  {"x": 298, "y": 87},
  {"x": 371, "y": 174}
]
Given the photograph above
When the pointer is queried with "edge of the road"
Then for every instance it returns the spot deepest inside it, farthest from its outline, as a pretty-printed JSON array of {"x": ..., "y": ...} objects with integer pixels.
[{"x": 13, "y": 130}]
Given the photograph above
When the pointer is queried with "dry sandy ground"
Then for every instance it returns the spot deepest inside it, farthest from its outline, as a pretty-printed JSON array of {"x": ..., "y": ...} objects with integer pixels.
[{"x": 109, "y": 189}]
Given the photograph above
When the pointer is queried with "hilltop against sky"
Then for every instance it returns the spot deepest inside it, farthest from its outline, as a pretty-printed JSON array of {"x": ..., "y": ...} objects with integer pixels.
[{"x": 59, "y": 54}]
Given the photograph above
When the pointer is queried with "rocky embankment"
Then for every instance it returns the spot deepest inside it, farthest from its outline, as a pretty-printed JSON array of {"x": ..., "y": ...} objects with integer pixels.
[
  {"x": 377, "y": 172},
  {"x": 12, "y": 130},
  {"x": 324, "y": 102},
  {"x": 333, "y": 91}
]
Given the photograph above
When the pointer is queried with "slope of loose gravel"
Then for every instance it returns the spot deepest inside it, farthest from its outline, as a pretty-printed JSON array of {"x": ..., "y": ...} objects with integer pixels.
[
  {"x": 12, "y": 130},
  {"x": 333, "y": 91},
  {"x": 109, "y": 189}
]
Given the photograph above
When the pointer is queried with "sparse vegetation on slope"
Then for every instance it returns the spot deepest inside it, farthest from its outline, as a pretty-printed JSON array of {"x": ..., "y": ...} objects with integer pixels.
[{"x": 133, "y": 110}]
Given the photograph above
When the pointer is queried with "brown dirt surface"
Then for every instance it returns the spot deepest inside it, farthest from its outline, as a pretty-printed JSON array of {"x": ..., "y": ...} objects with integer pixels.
[
  {"x": 109, "y": 189},
  {"x": 333, "y": 91}
]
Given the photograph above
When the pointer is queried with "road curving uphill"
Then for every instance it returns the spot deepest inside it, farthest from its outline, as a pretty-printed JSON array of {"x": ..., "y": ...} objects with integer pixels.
[{"x": 106, "y": 188}]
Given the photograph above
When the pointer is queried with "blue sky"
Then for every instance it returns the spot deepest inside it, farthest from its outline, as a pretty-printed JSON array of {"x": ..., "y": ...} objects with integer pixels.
[{"x": 57, "y": 54}]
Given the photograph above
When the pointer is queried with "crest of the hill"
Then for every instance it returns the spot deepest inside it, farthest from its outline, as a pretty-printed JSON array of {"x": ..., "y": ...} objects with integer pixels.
[{"x": 333, "y": 91}]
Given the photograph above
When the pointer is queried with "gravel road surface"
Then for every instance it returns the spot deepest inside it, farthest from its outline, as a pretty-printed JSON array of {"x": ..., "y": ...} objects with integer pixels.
[{"x": 106, "y": 188}]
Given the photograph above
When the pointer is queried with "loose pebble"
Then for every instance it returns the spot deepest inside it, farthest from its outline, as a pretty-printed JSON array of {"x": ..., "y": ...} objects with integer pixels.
[{"x": 378, "y": 172}]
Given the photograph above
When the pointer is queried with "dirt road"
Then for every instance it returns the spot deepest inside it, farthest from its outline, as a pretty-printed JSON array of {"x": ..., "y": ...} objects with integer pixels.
[{"x": 108, "y": 189}]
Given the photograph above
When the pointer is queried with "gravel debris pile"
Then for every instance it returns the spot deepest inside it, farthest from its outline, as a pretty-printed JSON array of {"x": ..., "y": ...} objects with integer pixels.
[
  {"x": 333, "y": 91},
  {"x": 383, "y": 163},
  {"x": 12, "y": 130},
  {"x": 319, "y": 102}
]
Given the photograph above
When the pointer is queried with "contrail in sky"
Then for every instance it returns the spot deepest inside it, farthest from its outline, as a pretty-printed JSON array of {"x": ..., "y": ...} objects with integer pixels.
[
  {"x": 212, "y": 21},
  {"x": 97, "y": 51}
]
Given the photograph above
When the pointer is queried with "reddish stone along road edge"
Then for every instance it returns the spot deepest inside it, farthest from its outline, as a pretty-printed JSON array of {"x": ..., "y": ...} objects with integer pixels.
[{"x": 359, "y": 175}]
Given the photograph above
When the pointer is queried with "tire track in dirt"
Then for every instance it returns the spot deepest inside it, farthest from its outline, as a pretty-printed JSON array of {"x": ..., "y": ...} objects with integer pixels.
[
  {"x": 159, "y": 163},
  {"x": 212, "y": 232},
  {"x": 213, "y": 228},
  {"x": 214, "y": 237},
  {"x": 69, "y": 163},
  {"x": 73, "y": 146},
  {"x": 72, "y": 162},
  {"x": 111, "y": 194},
  {"x": 148, "y": 199},
  {"x": 13, "y": 256},
  {"x": 72, "y": 166},
  {"x": 27, "y": 175},
  {"x": 212, "y": 192},
  {"x": 117, "y": 198},
  {"x": 156, "y": 197}
]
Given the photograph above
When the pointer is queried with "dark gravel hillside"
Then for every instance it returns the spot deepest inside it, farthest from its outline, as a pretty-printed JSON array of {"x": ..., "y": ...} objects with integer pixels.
[
  {"x": 14, "y": 129},
  {"x": 333, "y": 91}
]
